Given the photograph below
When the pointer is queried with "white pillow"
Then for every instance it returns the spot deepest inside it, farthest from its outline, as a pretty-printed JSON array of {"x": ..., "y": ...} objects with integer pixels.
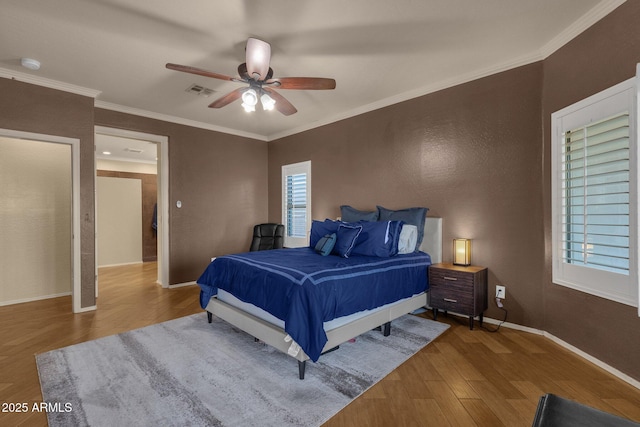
[{"x": 408, "y": 239}]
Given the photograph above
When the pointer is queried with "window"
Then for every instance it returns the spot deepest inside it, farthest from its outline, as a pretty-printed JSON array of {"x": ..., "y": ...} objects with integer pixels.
[
  {"x": 296, "y": 203},
  {"x": 594, "y": 186}
]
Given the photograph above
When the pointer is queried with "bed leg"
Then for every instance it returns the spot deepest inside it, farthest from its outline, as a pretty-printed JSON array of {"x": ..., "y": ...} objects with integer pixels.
[
  {"x": 209, "y": 317},
  {"x": 387, "y": 329},
  {"x": 301, "y": 368}
]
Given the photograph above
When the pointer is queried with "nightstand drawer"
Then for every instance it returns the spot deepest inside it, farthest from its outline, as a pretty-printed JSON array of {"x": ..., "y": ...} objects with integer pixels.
[
  {"x": 450, "y": 298},
  {"x": 450, "y": 277}
]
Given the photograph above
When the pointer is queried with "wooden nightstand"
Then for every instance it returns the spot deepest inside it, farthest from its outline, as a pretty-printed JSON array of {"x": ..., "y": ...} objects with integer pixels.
[{"x": 459, "y": 289}]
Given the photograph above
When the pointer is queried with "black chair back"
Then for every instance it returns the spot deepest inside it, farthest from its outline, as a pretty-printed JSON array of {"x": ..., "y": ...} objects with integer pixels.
[{"x": 267, "y": 236}]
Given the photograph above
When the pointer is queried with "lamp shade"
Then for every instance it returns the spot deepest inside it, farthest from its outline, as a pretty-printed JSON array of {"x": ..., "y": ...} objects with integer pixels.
[{"x": 462, "y": 251}]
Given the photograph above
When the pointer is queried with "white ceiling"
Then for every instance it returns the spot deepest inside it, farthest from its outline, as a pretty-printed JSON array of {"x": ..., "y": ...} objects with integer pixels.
[{"x": 379, "y": 51}]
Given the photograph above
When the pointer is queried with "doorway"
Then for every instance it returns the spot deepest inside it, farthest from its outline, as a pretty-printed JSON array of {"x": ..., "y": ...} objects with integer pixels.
[
  {"x": 41, "y": 206},
  {"x": 162, "y": 211}
]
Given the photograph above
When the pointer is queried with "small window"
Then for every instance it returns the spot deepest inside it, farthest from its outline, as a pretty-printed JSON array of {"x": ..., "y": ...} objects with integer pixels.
[
  {"x": 296, "y": 203},
  {"x": 594, "y": 203}
]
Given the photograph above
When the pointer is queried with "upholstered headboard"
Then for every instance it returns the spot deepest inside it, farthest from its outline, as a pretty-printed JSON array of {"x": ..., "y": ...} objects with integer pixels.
[{"x": 432, "y": 242}]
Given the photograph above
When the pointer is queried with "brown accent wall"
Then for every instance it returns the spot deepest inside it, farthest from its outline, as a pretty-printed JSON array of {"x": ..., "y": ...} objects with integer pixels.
[
  {"x": 472, "y": 154},
  {"x": 29, "y": 108},
  {"x": 478, "y": 156},
  {"x": 221, "y": 181},
  {"x": 602, "y": 56},
  {"x": 149, "y": 199}
]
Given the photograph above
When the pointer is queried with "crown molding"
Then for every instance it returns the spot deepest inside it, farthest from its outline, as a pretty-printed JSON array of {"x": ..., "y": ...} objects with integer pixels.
[
  {"x": 177, "y": 120},
  {"x": 51, "y": 84},
  {"x": 595, "y": 14}
]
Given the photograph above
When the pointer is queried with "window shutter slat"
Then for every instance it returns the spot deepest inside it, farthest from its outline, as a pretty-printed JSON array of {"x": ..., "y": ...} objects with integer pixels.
[{"x": 595, "y": 201}]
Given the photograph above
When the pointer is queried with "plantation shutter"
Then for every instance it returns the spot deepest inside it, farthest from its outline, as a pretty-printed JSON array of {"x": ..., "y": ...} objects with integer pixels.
[
  {"x": 296, "y": 205},
  {"x": 595, "y": 195}
]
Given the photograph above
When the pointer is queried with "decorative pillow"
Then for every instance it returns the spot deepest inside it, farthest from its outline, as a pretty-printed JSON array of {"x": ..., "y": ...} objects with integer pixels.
[
  {"x": 350, "y": 214},
  {"x": 413, "y": 216},
  {"x": 325, "y": 244},
  {"x": 408, "y": 239},
  {"x": 320, "y": 229},
  {"x": 346, "y": 237},
  {"x": 378, "y": 239}
]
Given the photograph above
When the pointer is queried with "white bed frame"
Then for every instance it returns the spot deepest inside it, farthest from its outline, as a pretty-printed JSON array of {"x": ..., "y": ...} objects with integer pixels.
[{"x": 275, "y": 336}]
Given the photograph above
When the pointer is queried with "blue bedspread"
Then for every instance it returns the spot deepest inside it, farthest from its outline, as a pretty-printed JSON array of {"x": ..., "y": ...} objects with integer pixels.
[{"x": 305, "y": 289}]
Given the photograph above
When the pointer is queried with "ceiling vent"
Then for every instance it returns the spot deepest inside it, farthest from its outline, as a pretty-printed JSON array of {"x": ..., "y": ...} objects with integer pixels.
[{"x": 200, "y": 90}]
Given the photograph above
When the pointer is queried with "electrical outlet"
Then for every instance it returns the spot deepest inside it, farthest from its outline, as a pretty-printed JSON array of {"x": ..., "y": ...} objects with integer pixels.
[{"x": 501, "y": 292}]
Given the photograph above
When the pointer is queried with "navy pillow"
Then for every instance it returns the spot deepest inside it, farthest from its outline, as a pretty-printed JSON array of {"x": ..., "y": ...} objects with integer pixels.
[
  {"x": 319, "y": 229},
  {"x": 379, "y": 239},
  {"x": 346, "y": 237},
  {"x": 350, "y": 214},
  {"x": 325, "y": 244},
  {"x": 413, "y": 216}
]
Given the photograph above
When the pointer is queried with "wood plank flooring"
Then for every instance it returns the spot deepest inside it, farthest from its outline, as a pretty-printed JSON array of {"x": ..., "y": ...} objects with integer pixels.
[{"x": 464, "y": 378}]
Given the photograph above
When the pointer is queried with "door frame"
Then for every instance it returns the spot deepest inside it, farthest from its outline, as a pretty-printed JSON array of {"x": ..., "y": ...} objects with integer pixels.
[
  {"x": 75, "y": 237},
  {"x": 163, "y": 195}
]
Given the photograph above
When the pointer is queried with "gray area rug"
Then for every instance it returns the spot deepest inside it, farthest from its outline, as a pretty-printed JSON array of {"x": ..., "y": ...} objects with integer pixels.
[{"x": 189, "y": 372}]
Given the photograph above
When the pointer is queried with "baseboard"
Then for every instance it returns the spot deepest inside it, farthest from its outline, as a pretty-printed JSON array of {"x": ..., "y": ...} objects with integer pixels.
[
  {"x": 613, "y": 371},
  {"x": 120, "y": 265},
  {"x": 38, "y": 298},
  {"x": 180, "y": 285}
]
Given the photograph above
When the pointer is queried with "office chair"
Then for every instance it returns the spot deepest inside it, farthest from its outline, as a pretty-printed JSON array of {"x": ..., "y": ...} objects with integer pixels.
[{"x": 267, "y": 236}]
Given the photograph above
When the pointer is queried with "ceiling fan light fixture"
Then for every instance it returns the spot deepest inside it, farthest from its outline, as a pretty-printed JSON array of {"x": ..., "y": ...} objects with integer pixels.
[
  {"x": 258, "y": 58},
  {"x": 250, "y": 97},
  {"x": 248, "y": 108},
  {"x": 268, "y": 103}
]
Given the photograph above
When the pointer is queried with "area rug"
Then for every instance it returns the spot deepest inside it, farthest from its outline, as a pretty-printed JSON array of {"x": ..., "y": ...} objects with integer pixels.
[{"x": 189, "y": 372}]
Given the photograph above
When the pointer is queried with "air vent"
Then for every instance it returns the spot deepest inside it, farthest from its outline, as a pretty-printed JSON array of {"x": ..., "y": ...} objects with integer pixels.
[
  {"x": 200, "y": 90},
  {"x": 134, "y": 150}
]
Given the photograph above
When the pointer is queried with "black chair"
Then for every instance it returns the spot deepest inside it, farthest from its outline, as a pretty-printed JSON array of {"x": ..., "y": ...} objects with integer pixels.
[
  {"x": 267, "y": 236},
  {"x": 555, "y": 411}
]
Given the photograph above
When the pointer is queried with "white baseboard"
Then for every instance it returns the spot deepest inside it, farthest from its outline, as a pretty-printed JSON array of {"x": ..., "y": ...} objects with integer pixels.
[
  {"x": 613, "y": 371},
  {"x": 38, "y": 298},
  {"x": 121, "y": 264},
  {"x": 85, "y": 309},
  {"x": 180, "y": 285}
]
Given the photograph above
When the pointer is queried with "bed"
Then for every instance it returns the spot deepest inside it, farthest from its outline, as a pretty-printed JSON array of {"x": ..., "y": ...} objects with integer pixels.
[{"x": 304, "y": 304}]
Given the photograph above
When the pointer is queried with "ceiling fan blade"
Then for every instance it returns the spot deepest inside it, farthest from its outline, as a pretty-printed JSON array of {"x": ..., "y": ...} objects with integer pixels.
[
  {"x": 306, "y": 83},
  {"x": 282, "y": 105},
  {"x": 228, "y": 98},
  {"x": 198, "y": 71},
  {"x": 258, "y": 57}
]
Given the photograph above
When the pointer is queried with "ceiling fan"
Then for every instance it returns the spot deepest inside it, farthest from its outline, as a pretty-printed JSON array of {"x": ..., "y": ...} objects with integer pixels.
[{"x": 257, "y": 73}]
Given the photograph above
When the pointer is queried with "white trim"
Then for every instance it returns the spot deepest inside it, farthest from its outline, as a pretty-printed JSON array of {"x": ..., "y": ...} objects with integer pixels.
[
  {"x": 85, "y": 309},
  {"x": 38, "y": 298},
  {"x": 178, "y": 120},
  {"x": 613, "y": 371},
  {"x": 163, "y": 193},
  {"x": 613, "y": 286},
  {"x": 598, "y": 12},
  {"x": 182, "y": 285},
  {"x": 120, "y": 265},
  {"x": 52, "y": 84},
  {"x": 287, "y": 170},
  {"x": 75, "y": 203}
]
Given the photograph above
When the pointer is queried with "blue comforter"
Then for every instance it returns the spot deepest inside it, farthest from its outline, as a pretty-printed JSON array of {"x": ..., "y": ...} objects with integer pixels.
[{"x": 305, "y": 289}]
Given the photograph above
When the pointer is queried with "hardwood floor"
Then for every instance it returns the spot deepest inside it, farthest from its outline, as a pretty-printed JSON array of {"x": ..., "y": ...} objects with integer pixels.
[{"x": 464, "y": 378}]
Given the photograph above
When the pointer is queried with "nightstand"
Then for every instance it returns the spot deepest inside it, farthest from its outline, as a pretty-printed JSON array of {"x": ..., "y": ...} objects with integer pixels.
[{"x": 458, "y": 289}]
